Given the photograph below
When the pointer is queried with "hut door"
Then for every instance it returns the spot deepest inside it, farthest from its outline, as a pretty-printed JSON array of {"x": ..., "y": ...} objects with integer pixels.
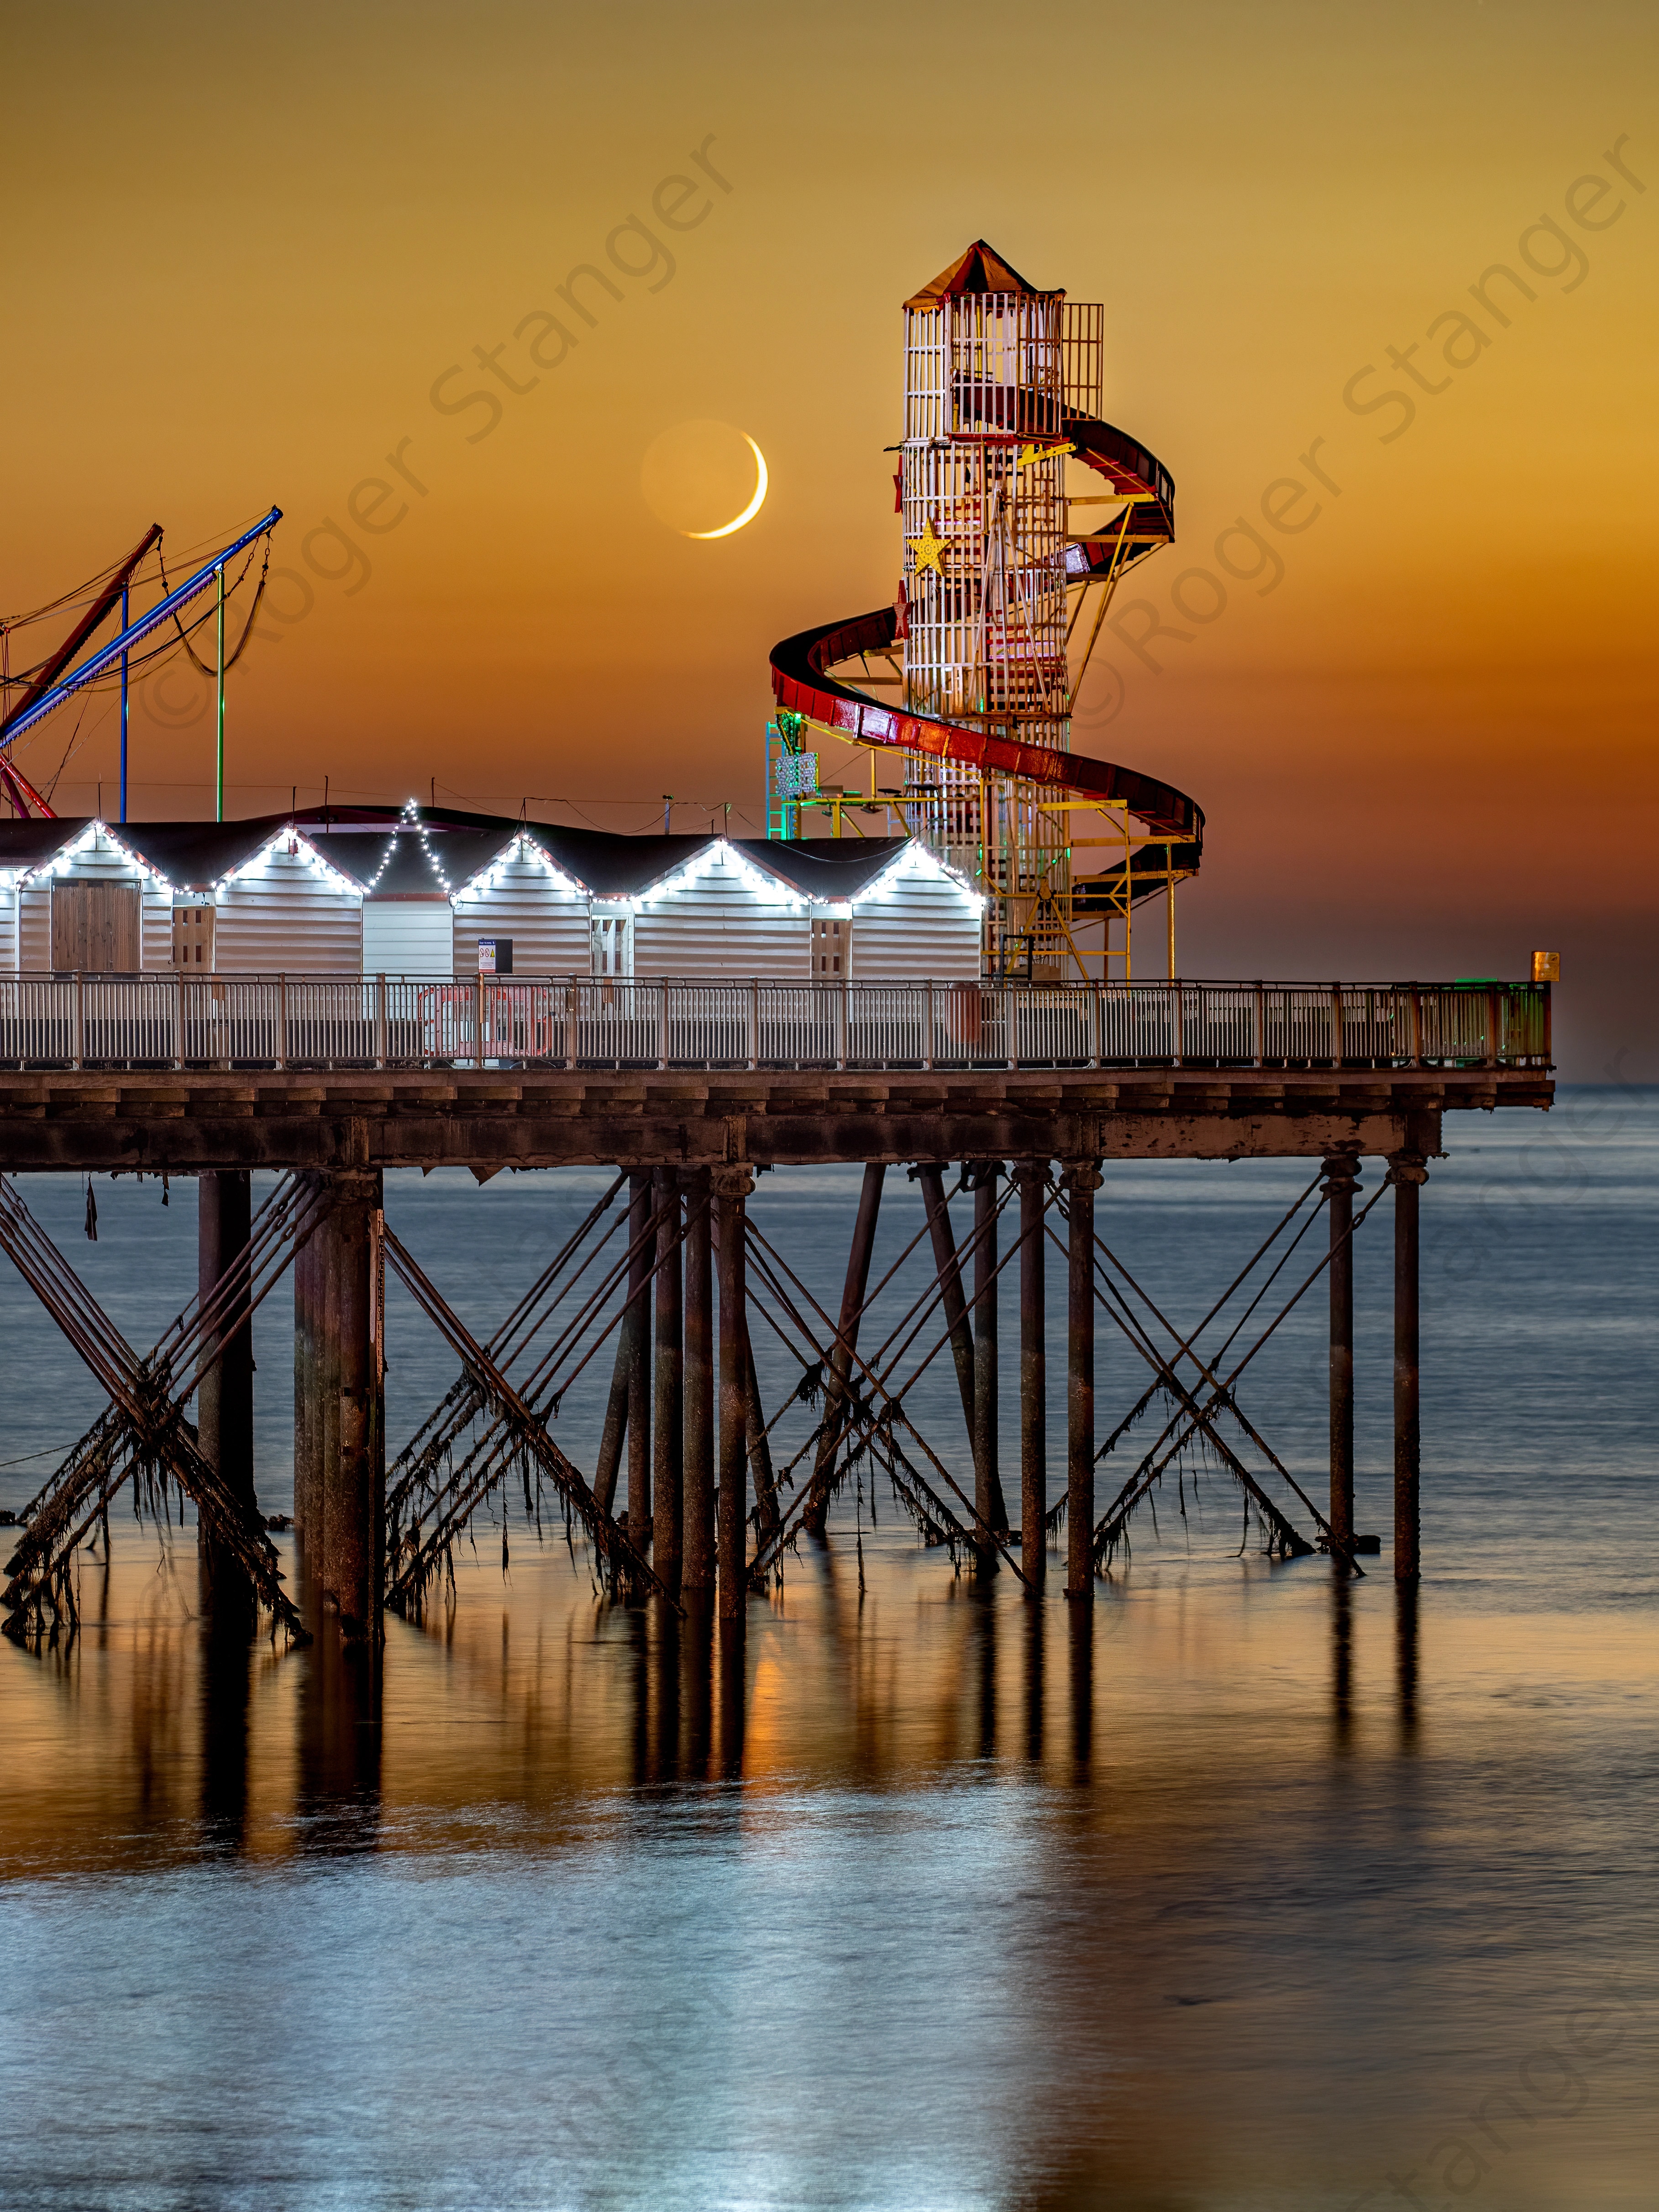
[
  {"x": 192, "y": 937},
  {"x": 94, "y": 927},
  {"x": 832, "y": 950}
]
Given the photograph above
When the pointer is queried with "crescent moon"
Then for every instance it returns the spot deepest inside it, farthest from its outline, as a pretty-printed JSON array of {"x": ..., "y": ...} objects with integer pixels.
[{"x": 755, "y": 504}]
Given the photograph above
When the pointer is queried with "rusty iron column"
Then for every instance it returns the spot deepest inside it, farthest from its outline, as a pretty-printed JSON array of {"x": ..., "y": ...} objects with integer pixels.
[
  {"x": 988, "y": 1478},
  {"x": 307, "y": 1398},
  {"x": 377, "y": 1386},
  {"x": 614, "y": 1434},
  {"x": 853, "y": 1296},
  {"x": 1080, "y": 1181},
  {"x": 328, "y": 1387},
  {"x": 731, "y": 1187},
  {"x": 948, "y": 1267},
  {"x": 1408, "y": 1172},
  {"x": 698, "y": 1478},
  {"x": 668, "y": 1428},
  {"x": 624, "y": 1417},
  {"x": 1340, "y": 1182},
  {"x": 949, "y": 1271},
  {"x": 637, "y": 1331},
  {"x": 353, "y": 1501},
  {"x": 1032, "y": 1178},
  {"x": 767, "y": 1517},
  {"x": 224, "y": 1397}
]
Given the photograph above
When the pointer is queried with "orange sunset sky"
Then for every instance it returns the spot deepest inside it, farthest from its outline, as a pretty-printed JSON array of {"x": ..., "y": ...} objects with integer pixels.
[{"x": 244, "y": 245}]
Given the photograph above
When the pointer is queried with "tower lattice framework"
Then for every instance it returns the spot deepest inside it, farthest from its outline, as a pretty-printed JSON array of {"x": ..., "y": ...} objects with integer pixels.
[{"x": 991, "y": 369}]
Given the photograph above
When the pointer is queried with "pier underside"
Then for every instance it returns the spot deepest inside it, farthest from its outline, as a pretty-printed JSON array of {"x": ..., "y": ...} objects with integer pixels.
[
  {"x": 712, "y": 1501},
  {"x": 487, "y": 1120}
]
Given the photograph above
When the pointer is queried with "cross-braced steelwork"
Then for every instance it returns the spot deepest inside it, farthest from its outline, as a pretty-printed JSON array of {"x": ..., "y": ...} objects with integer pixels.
[
  {"x": 1191, "y": 1425},
  {"x": 852, "y": 1410},
  {"x": 144, "y": 1435},
  {"x": 725, "y": 1462},
  {"x": 492, "y": 1422}
]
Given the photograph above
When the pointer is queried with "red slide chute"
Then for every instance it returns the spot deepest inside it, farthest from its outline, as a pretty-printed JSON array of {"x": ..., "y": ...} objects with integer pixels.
[{"x": 801, "y": 687}]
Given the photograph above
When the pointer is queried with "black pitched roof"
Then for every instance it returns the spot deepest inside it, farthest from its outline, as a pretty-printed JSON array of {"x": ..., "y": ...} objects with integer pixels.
[
  {"x": 355, "y": 840},
  {"x": 607, "y": 864},
  {"x": 26, "y": 844},
  {"x": 402, "y": 866},
  {"x": 613, "y": 867},
  {"x": 391, "y": 858},
  {"x": 191, "y": 854},
  {"x": 463, "y": 853},
  {"x": 822, "y": 868},
  {"x": 194, "y": 854}
]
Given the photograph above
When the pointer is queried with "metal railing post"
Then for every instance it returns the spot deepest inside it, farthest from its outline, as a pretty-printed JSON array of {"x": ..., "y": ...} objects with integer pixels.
[
  {"x": 282, "y": 1021},
  {"x": 1491, "y": 1025},
  {"x": 1336, "y": 1026},
  {"x": 1097, "y": 1027},
  {"x": 844, "y": 1016},
  {"x": 1178, "y": 1024},
  {"x": 78, "y": 1034},
  {"x": 1416, "y": 998},
  {"x": 754, "y": 1023},
  {"x": 179, "y": 1019},
  {"x": 572, "y": 1024},
  {"x": 663, "y": 989},
  {"x": 379, "y": 1022},
  {"x": 478, "y": 1022},
  {"x": 927, "y": 1023},
  {"x": 1010, "y": 1023},
  {"x": 1259, "y": 1027}
]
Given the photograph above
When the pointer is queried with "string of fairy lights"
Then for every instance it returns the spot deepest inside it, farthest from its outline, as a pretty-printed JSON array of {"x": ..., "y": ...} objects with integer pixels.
[{"x": 522, "y": 848}]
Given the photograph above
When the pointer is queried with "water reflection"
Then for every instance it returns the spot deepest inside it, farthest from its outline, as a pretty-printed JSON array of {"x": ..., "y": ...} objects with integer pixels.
[
  {"x": 850, "y": 1887},
  {"x": 983, "y": 1614},
  {"x": 1341, "y": 1655},
  {"x": 1405, "y": 1648},
  {"x": 337, "y": 1799},
  {"x": 164, "y": 1723},
  {"x": 225, "y": 1685},
  {"x": 1031, "y": 1627},
  {"x": 1080, "y": 1639}
]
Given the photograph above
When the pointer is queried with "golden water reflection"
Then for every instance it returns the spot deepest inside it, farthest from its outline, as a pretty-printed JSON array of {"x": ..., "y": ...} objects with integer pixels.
[{"x": 1238, "y": 1887}]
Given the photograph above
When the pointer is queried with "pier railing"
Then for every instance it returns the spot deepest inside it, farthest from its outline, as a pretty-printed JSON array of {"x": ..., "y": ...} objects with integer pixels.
[{"x": 280, "y": 1022}]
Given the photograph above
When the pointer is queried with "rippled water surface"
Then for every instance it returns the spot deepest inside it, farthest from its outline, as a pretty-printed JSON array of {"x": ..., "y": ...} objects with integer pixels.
[{"x": 1250, "y": 1888}]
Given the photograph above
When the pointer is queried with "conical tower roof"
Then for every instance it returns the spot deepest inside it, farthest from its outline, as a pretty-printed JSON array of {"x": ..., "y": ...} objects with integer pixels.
[{"x": 981, "y": 268}]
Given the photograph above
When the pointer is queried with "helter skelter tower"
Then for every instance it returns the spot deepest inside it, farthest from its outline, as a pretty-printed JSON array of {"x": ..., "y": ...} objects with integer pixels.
[
  {"x": 1002, "y": 387},
  {"x": 991, "y": 367}
]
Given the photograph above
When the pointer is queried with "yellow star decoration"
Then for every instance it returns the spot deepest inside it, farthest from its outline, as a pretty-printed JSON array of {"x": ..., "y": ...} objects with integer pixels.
[{"x": 929, "y": 549}]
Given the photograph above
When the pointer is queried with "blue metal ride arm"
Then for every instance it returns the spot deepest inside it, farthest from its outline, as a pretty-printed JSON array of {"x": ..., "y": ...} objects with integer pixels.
[{"x": 110, "y": 655}]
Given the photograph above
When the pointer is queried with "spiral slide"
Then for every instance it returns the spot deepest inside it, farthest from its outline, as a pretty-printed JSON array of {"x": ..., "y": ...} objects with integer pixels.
[{"x": 801, "y": 687}]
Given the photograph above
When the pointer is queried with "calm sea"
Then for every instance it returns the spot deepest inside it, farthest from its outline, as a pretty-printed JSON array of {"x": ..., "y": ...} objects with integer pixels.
[{"x": 1257, "y": 1889}]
